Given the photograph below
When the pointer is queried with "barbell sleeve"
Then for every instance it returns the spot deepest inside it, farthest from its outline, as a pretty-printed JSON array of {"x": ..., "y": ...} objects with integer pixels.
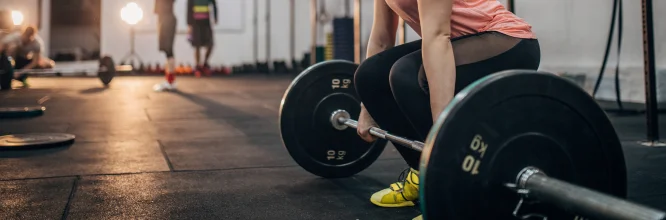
[
  {"x": 342, "y": 117},
  {"x": 580, "y": 200}
]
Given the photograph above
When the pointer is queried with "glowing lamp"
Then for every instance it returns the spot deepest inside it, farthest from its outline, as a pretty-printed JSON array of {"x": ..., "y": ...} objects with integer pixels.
[
  {"x": 131, "y": 13},
  {"x": 17, "y": 17}
]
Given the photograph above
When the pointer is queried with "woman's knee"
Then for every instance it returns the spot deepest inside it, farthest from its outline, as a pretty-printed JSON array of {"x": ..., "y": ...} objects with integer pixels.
[
  {"x": 376, "y": 69},
  {"x": 371, "y": 75},
  {"x": 404, "y": 73},
  {"x": 363, "y": 75}
]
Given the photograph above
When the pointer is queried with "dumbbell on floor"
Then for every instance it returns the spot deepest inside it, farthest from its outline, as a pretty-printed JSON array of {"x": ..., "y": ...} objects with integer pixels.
[{"x": 487, "y": 155}]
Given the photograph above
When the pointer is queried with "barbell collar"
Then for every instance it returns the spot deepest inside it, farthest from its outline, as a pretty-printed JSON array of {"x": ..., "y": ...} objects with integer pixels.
[
  {"x": 580, "y": 200},
  {"x": 340, "y": 119}
]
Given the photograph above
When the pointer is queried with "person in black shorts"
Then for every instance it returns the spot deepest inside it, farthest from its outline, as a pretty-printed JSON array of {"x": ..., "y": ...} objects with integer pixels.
[
  {"x": 166, "y": 24},
  {"x": 200, "y": 30}
]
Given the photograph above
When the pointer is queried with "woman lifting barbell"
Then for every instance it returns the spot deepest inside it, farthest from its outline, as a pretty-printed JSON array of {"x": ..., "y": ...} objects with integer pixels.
[{"x": 404, "y": 88}]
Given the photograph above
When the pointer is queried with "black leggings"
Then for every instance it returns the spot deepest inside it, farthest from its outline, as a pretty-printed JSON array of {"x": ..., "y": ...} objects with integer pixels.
[{"x": 393, "y": 87}]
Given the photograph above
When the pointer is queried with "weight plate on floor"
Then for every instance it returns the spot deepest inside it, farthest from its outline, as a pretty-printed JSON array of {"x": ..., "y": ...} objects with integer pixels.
[
  {"x": 18, "y": 112},
  {"x": 107, "y": 70},
  {"x": 35, "y": 140},
  {"x": 305, "y": 124},
  {"x": 505, "y": 122}
]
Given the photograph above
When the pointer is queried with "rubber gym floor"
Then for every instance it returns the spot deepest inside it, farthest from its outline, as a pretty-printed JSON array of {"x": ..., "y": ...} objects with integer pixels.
[{"x": 212, "y": 150}]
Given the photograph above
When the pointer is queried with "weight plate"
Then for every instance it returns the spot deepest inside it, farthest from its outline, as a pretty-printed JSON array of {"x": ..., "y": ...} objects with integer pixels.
[
  {"x": 6, "y": 72},
  {"x": 107, "y": 70},
  {"x": 305, "y": 125},
  {"x": 505, "y": 122},
  {"x": 18, "y": 112},
  {"x": 35, "y": 140}
]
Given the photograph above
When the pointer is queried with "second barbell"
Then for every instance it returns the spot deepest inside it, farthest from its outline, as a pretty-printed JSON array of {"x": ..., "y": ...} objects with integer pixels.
[{"x": 106, "y": 71}]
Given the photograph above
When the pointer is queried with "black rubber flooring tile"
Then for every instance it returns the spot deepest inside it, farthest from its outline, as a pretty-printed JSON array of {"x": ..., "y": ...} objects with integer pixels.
[
  {"x": 84, "y": 159},
  {"x": 640, "y": 158},
  {"x": 226, "y": 104},
  {"x": 191, "y": 130},
  {"x": 646, "y": 174},
  {"x": 227, "y": 153},
  {"x": 255, "y": 126},
  {"x": 122, "y": 130},
  {"x": 145, "y": 131},
  {"x": 390, "y": 153},
  {"x": 634, "y": 128},
  {"x": 212, "y": 112},
  {"x": 251, "y": 150},
  {"x": 272, "y": 193},
  {"x": 26, "y": 95},
  {"x": 92, "y": 114},
  {"x": 34, "y": 199}
]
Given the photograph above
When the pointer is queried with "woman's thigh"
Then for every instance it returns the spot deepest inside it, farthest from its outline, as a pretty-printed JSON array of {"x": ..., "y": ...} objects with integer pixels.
[
  {"x": 487, "y": 53},
  {"x": 476, "y": 57},
  {"x": 413, "y": 102}
]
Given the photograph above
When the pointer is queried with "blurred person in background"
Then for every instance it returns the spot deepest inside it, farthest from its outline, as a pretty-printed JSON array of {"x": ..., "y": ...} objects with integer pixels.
[
  {"x": 166, "y": 24},
  {"x": 200, "y": 30},
  {"x": 25, "y": 47}
]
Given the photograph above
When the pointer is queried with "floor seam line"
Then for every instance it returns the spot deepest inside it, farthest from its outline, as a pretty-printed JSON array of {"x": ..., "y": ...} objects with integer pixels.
[
  {"x": 165, "y": 155},
  {"x": 72, "y": 193}
]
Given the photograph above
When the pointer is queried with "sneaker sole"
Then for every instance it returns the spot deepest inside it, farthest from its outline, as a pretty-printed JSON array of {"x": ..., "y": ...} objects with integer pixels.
[{"x": 399, "y": 205}]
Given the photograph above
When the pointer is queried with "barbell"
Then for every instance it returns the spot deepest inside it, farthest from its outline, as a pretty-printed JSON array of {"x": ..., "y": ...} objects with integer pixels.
[
  {"x": 105, "y": 72},
  {"x": 515, "y": 144}
]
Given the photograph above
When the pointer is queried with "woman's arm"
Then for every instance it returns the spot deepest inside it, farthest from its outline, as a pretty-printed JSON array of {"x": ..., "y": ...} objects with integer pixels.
[
  {"x": 437, "y": 52},
  {"x": 382, "y": 37},
  {"x": 384, "y": 27}
]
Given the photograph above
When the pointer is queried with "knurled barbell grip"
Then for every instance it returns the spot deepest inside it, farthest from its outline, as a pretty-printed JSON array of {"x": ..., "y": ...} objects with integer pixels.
[{"x": 341, "y": 116}]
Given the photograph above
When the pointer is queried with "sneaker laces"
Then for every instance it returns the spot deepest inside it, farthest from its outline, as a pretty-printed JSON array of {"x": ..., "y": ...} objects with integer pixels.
[{"x": 402, "y": 179}]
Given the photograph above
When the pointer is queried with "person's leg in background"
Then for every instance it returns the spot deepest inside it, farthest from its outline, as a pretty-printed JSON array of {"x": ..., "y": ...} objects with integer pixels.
[
  {"x": 206, "y": 66},
  {"x": 20, "y": 62},
  {"x": 169, "y": 70},
  {"x": 167, "y": 34},
  {"x": 207, "y": 40},
  {"x": 197, "y": 41},
  {"x": 197, "y": 56},
  {"x": 373, "y": 87}
]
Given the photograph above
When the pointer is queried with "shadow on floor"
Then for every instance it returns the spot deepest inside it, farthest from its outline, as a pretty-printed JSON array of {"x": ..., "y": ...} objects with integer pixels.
[{"x": 93, "y": 90}]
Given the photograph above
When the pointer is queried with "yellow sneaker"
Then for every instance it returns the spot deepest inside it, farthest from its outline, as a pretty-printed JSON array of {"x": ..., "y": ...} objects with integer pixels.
[
  {"x": 400, "y": 194},
  {"x": 420, "y": 217}
]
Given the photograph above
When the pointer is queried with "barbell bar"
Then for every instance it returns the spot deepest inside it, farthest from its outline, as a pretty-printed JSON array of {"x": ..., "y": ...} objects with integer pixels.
[
  {"x": 340, "y": 120},
  {"x": 475, "y": 160},
  {"x": 105, "y": 72}
]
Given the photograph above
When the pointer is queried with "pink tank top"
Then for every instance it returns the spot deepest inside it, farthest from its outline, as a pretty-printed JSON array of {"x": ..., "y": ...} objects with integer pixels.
[{"x": 469, "y": 17}]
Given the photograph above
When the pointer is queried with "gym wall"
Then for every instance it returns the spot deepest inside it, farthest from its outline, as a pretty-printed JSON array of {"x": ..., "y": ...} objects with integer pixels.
[{"x": 573, "y": 37}]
